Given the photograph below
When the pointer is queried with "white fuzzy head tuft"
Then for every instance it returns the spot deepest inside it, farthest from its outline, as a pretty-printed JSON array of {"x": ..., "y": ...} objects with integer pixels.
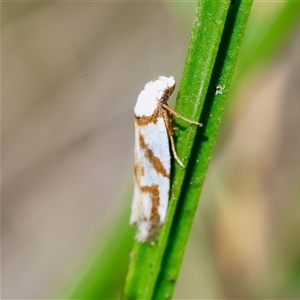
[
  {"x": 153, "y": 92},
  {"x": 170, "y": 81}
]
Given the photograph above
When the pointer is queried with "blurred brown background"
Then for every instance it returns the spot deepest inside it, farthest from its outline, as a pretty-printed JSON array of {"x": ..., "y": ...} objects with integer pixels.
[{"x": 71, "y": 73}]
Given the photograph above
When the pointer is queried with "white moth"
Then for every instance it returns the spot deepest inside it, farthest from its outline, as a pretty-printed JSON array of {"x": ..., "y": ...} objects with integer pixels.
[{"x": 153, "y": 130}]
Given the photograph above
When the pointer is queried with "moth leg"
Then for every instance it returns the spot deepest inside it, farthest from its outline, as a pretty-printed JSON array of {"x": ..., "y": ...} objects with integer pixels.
[
  {"x": 174, "y": 151},
  {"x": 180, "y": 116},
  {"x": 168, "y": 121}
]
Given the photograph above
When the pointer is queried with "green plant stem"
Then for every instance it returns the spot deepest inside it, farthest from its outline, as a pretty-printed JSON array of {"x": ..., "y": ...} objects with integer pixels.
[
  {"x": 146, "y": 259},
  {"x": 203, "y": 145}
]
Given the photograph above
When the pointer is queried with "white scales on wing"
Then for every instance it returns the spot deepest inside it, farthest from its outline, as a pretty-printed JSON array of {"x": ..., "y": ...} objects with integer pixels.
[{"x": 153, "y": 129}]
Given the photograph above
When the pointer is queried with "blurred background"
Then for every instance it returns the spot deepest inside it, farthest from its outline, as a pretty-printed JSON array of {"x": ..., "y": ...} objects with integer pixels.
[{"x": 71, "y": 73}]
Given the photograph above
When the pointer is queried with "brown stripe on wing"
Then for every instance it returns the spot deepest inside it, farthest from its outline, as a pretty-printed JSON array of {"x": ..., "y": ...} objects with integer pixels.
[
  {"x": 144, "y": 121},
  {"x": 154, "y": 220},
  {"x": 154, "y": 160},
  {"x": 139, "y": 171}
]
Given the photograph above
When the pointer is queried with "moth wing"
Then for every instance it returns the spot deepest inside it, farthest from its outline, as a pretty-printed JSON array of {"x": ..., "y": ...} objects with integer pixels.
[{"x": 152, "y": 177}]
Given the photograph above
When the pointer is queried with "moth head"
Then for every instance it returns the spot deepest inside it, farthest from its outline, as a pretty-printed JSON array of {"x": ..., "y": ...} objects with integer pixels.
[
  {"x": 169, "y": 86},
  {"x": 154, "y": 93}
]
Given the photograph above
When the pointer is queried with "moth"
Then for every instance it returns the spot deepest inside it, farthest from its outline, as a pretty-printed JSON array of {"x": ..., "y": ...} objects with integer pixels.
[{"x": 154, "y": 134}]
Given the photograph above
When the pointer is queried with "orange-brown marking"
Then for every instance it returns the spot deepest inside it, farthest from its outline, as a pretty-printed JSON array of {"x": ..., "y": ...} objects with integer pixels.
[
  {"x": 154, "y": 160},
  {"x": 167, "y": 93},
  {"x": 139, "y": 171},
  {"x": 154, "y": 219},
  {"x": 144, "y": 121}
]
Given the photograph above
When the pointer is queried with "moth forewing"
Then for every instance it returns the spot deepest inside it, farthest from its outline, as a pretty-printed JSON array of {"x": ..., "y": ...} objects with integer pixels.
[
  {"x": 151, "y": 178},
  {"x": 153, "y": 130}
]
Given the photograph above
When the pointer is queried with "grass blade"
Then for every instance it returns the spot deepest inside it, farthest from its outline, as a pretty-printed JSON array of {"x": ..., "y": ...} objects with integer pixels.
[
  {"x": 203, "y": 145},
  {"x": 146, "y": 259}
]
